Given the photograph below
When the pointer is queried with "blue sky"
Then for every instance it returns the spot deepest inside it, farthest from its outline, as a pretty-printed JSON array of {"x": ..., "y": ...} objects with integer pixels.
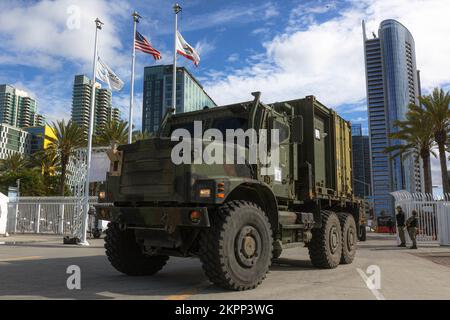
[{"x": 285, "y": 49}]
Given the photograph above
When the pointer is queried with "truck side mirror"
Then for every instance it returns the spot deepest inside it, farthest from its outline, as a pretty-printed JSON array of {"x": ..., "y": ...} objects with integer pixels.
[{"x": 297, "y": 129}]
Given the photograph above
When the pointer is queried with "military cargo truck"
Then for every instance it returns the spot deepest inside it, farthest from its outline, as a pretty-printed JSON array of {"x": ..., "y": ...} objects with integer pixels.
[{"x": 231, "y": 216}]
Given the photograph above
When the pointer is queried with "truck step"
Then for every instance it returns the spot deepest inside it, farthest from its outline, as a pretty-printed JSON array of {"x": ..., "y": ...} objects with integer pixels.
[{"x": 293, "y": 226}]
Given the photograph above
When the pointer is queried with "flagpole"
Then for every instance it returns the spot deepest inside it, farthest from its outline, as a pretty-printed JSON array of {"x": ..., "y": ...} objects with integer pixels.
[
  {"x": 176, "y": 9},
  {"x": 83, "y": 241},
  {"x": 136, "y": 17}
]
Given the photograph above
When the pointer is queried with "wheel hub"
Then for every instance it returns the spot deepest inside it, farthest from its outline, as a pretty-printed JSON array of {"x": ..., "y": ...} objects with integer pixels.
[
  {"x": 334, "y": 239},
  {"x": 351, "y": 238},
  {"x": 248, "y": 246}
]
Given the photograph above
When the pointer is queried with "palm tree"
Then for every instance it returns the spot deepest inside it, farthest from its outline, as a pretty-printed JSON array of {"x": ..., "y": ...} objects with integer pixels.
[
  {"x": 69, "y": 138},
  {"x": 14, "y": 163},
  {"x": 141, "y": 135},
  {"x": 437, "y": 108},
  {"x": 114, "y": 134},
  {"x": 47, "y": 160},
  {"x": 418, "y": 139}
]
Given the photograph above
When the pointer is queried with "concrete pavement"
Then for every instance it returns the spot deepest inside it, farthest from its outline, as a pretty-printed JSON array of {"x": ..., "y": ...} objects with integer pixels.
[{"x": 38, "y": 271}]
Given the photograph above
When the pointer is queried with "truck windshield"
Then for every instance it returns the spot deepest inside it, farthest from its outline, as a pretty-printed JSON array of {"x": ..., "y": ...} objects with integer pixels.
[
  {"x": 229, "y": 123},
  {"x": 222, "y": 124},
  {"x": 188, "y": 126}
]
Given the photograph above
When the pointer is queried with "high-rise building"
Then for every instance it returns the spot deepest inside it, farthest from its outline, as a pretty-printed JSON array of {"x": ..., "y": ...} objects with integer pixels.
[
  {"x": 13, "y": 140},
  {"x": 392, "y": 84},
  {"x": 158, "y": 94},
  {"x": 115, "y": 114},
  {"x": 17, "y": 108},
  {"x": 81, "y": 103},
  {"x": 361, "y": 162},
  {"x": 103, "y": 106}
]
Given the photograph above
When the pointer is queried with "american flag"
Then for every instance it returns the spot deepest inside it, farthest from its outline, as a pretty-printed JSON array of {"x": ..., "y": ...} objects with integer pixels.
[{"x": 142, "y": 44}]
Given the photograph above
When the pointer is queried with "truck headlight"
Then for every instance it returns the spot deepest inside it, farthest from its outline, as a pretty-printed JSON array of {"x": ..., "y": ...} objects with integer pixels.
[{"x": 205, "y": 193}]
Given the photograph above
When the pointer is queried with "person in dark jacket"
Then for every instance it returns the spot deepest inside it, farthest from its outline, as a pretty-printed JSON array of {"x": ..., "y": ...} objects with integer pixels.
[
  {"x": 411, "y": 225},
  {"x": 400, "y": 217}
]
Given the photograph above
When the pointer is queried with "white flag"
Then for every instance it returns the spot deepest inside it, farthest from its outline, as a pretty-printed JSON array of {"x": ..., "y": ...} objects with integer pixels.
[
  {"x": 186, "y": 50},
  {"x": 105, "y": 74}
]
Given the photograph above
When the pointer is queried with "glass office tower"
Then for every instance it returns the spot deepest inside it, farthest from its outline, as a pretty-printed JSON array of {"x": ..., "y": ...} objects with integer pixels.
[
  {"x": 392, "y": 84},
  {"x": 361, "y": 162},
  {"x": 158, "y": 94}
]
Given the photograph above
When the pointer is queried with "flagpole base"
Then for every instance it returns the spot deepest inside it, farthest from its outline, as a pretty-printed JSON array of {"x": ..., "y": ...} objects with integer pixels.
[{"x": 84, "y": 244}]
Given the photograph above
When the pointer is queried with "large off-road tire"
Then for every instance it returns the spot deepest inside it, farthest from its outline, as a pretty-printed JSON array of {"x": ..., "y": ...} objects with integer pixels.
[
  {"x": 349, "y": 237},
  {"x": 126, "y": 256},
  {"x": 236, "y": 251},
  {"x": 325, "y": 248},
  {"x": 362, "y": 234}
]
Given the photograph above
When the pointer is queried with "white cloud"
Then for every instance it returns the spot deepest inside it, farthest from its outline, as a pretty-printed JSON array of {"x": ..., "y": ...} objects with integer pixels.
[
  {"x": 233, "y": 57},
  {"x": 271, "y": 11},
  {"x": 204, "y": 47},
  {"x": 47, "y": 34},
  {"x": 326, "y": 59}
]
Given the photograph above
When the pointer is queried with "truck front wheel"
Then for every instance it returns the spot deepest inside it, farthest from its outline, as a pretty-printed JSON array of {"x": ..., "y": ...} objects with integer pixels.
[
  {"x": 325, "y": 248},
  {"x": 236, "y": 252},
  {"x": 126, "y": 256}
]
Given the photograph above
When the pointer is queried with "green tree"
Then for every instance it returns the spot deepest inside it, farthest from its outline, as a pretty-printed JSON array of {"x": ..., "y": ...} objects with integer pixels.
[
  {"x": 438, "y": 112},
  {"x": 15, "y": 162},
  {"x": 32, "y": 183},
  {"x": 416, "y": 134},
  {"x": 69, "y": 138},
  {"x": 141, "y": 135},
  {"x": 114, "y": 134},
  {"x": 47, "y": 160}
]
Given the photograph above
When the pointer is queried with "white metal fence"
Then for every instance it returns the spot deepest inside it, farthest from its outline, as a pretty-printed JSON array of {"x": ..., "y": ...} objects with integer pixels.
[
  {"x": 48, "y": 215},
  {"x": 433, "y": 215}
]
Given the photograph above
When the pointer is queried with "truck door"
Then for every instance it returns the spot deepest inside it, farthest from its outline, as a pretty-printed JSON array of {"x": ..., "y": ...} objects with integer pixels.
[
  {"x": 282, "y": 181},
  {"x": 319, "y": 151}
]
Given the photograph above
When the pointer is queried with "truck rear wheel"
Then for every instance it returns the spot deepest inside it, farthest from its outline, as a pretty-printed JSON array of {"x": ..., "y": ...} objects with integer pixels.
[
  {"x": 349, "y": 237},
  {"x": 325, "y": 248},
  {"x": 126, "y": 256},
  {"x": 236, "y": 251}
]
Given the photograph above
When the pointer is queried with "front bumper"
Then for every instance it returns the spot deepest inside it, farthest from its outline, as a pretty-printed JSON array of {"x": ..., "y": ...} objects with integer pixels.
[{"x": 168, "y": 218}]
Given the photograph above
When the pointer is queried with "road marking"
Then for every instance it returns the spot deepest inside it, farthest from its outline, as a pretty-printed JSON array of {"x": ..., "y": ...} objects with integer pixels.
[
  {"x": 183, "y": 295},
  {"x": 21, "y": 259},
  {"x": 189, "y": 292},
  {"x": 378, "y": 295}
]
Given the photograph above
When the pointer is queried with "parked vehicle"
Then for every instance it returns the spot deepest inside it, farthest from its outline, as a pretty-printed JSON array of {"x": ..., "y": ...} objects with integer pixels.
[{"x": 231, "y": 216}]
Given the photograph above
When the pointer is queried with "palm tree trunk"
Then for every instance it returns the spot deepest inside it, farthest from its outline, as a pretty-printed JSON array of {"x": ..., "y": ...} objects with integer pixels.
[
  {"x": 63, "y": 177},
  {"x": 427, "y": 173},
  {"x": 444, "y": 172}
]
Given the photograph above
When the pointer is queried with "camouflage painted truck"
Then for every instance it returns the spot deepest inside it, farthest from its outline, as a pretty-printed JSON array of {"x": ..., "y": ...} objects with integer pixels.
[{"x": 232, "y": 217}]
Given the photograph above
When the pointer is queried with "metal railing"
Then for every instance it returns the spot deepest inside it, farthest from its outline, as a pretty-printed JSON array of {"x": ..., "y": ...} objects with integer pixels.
[
  {"x": 45, "y": 215},
  {"x": 433, "y": 215}
]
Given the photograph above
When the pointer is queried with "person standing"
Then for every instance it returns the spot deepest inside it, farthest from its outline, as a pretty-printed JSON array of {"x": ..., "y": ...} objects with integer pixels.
[
  {"x": 400, "y": 217},
  {"x": 411, "y": 225}
]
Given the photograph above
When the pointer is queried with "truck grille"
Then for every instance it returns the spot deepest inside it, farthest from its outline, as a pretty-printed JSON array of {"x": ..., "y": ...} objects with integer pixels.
[{"x": 148, "y": 172}]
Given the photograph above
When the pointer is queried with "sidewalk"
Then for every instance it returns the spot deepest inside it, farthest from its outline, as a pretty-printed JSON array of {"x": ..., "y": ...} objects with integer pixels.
[{"x": 30, "y": 238}]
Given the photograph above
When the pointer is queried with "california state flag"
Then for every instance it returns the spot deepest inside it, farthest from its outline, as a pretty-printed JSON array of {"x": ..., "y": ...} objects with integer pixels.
[{"x": 186, "y": 50}]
